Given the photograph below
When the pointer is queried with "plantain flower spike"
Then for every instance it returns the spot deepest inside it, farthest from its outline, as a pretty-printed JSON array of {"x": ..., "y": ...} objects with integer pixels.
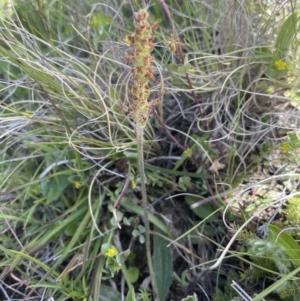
[{"x": 140, "y": 57}]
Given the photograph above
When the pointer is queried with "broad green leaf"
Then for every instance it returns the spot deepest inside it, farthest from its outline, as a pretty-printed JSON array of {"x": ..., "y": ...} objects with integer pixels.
[
  {"x": 202, "y": 211},
  {"x": 283, "y": 239},
  {"x": 173, "y": 67},
  {"x": 272, "y": 72},
  {"x": 133, "y": 274},
  {"x": 71, "y": 228},
  {"x": 56, "y": 187},
  {"x": 185, "y": 68},
  {"x": 162, "y": 264},
  {"x": 108, "y": 293}
]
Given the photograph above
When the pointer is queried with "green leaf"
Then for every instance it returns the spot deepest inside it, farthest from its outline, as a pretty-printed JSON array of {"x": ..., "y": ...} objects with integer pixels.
[
  {"x": 133, "y": 274},
  {"x": 199, "y": 175},
  {"x": 186, "y": 59},
  {"x": 162, "y": 264},
  {"x": 202, "y": 211},
  {"x": 286, "y": 34},
  {"x": 181, "y": 280},
  {"x": 76, "y": 294},
  {"x": 185, "y": 68},
  {"x": 105, "y": 247},
  {"x": 71, "y": 229},
  {"x": 55, "y": 187},
  {"x": 108, "y": 293},
  {"x": 184, "y": 183},
  {"x": 153, "y": 219},
  {"x": 283, "y": 239},
  {"x": 44, "y": 187},
  {"x": 191, "y": 298},
  {"x": 130, "y": 295},
  {"x": 135, "y": 233},
  {"x": 142, "y": 239},
  {"x": 112, "y": 266},
  {"x": 272, "y": 72},
  {"x": 113, "y": 94},
  {"x": 183, "y": 158},
  {"x": 295, "y": 96},
  {"x": 142, "y": 229},
  {"x": 272, "y": 288},
  {"x": 100, "y": 20},
  {"x": 114, "y": 221},
  {"x": 173, "y": 67}
]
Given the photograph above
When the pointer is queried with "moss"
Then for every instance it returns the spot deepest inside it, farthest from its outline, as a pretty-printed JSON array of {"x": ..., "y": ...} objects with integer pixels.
[{"x": 293, "y": 210}]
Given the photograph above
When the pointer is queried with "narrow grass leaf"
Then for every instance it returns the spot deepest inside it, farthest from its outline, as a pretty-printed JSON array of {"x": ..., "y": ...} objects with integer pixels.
[
  {"x": 286, "y": 34},
  {"x": 272, "y": 288}
]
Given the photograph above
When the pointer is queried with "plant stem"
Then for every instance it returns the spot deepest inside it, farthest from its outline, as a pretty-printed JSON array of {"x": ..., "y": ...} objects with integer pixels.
[{"x": 141, "y": 167}]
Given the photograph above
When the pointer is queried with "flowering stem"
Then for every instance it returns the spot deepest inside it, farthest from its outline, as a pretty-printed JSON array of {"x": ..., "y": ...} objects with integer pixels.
[
  {"x": 141, "y": 167},
  {"x": 141, "y": 109}
]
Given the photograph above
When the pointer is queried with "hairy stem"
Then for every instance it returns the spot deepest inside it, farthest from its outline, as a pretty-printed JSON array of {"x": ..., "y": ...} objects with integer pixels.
[{"x": 141, "y": 167}]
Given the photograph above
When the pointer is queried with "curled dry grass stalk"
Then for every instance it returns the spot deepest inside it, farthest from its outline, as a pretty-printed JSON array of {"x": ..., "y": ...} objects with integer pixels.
[{"x": 66, "y": 141}]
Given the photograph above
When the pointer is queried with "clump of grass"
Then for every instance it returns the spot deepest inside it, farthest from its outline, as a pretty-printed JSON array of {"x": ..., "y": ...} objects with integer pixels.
[{"x": 69, "y": 163}]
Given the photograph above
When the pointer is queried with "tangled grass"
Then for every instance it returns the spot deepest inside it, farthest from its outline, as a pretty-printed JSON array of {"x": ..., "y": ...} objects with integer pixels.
[{"x": 70, "y": 187}]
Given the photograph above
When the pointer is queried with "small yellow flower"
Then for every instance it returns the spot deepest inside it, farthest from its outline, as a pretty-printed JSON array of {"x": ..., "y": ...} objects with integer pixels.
[
  {"x": 77, "y": 184},
  {"x": 36, "y": 191},
  {"x": 133, "y": 184},
  {"x": 285, "y": 147},
  {"x": 188, "y": 152},
  {"x": 111, "y": 252},
  {"x": 280, "y": 65},
  {"x": 127, "y": 40},
  {"x": 94, "y": 22}
]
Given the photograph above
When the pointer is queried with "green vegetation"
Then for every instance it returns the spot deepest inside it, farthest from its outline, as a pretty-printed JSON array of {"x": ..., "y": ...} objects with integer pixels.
[{"x": 144, "y": 161}]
